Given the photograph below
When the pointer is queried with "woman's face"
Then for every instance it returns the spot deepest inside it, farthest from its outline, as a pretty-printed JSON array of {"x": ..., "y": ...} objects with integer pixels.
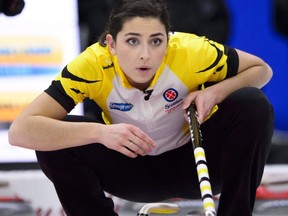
[{"x": 140, "y": 47}]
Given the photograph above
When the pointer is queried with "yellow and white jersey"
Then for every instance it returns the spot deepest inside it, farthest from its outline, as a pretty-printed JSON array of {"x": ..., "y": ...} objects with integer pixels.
[{"x": 190, "y": 62}]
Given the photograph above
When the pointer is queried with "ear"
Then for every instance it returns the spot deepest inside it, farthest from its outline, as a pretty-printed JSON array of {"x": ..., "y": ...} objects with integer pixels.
[{"x": 111, "y": 44}]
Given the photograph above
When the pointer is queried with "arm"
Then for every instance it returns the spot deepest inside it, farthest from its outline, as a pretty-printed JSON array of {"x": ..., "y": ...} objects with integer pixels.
[
  {"x": 39, "y": 127},
  {"x": 252, "y": 72}
]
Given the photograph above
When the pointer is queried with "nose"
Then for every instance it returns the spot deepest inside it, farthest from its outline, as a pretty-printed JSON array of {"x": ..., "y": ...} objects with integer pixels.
[{"x": 144, "y": 52}]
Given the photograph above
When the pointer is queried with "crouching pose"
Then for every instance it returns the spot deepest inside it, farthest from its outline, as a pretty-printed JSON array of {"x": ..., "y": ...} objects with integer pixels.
[{"x": 144, "y": 77}]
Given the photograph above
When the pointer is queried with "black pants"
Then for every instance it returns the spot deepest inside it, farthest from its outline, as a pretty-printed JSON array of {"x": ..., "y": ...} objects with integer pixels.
[{"x": 236, "y": 140}]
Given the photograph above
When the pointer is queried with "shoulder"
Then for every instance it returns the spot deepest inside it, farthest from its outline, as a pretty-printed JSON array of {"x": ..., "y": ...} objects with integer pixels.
[
  {"x": 181, "y": 39},
  {"x": 192, "y": 42},
  {"x": 93, "y": 57},
  {"x": 96, "y": 52}
]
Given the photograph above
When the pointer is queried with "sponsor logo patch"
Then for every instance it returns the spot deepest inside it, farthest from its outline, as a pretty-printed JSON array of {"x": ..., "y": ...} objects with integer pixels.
[
  {"x": 170, "y": 94},
  {"x": 124, "y": 107}
]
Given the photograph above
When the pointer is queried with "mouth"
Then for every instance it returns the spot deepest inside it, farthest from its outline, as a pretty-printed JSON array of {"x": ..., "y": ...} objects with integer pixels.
[{"x": 143, "y": 69}]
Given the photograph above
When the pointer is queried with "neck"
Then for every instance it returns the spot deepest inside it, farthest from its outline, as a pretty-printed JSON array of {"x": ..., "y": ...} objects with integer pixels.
[{"x": 140, "y": 86}]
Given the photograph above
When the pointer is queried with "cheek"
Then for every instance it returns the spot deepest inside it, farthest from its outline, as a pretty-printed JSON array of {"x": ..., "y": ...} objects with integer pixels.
[
  {"x": 159, "y": 55},
  {"x": 126, "y": 55},
  {"x": 125, "y": 59}
]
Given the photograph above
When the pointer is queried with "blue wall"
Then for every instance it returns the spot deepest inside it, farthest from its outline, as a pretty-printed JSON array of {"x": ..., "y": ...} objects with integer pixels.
[{"x": 252, "y": 30}]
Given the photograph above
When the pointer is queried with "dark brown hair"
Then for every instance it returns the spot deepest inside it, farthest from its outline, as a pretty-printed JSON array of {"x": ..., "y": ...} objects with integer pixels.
[{"x": 125, "y": 10}]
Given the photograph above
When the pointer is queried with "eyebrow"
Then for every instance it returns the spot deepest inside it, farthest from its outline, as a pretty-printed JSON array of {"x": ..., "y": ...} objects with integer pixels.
[{"x": 137, "y": 34}]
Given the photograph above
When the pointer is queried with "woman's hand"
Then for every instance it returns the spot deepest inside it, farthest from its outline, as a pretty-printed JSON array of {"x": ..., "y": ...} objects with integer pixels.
[
  {"x": 126, "y": 139},
  {"x": 205, "y": 100}
]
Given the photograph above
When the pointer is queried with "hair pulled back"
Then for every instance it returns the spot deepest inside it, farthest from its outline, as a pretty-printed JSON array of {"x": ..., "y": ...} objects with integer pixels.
[{"x": 125, "y": 10}]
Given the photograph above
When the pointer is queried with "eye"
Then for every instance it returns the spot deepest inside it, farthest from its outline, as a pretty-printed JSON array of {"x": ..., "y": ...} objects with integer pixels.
[
  {"x": 132, "y": 41},
  {"x": 156, "y": 41}
]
